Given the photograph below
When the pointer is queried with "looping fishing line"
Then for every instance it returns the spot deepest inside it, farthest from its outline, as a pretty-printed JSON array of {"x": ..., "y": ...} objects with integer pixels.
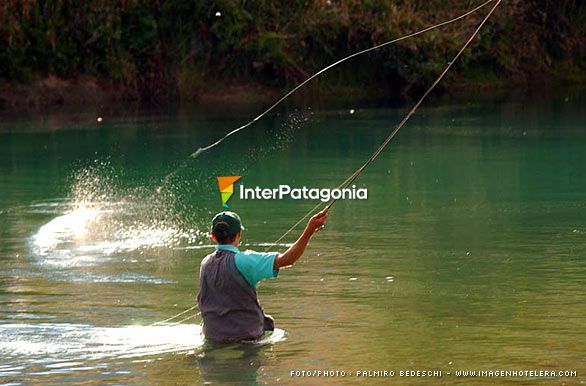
[
  {"x": 359, "y": 171},
  {"x": 413, "y": 34},
  {"x": 386, "y": 141},
  {"x": 206, "y": 148}
]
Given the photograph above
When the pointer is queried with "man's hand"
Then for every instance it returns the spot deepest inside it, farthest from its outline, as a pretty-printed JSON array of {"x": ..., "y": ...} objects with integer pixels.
[
  {"x": 318, "y": 221},
  {"x": 296, "y": 250}
]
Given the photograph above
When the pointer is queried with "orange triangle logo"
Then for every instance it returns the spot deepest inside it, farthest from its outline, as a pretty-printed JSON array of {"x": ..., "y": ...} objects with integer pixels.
[
  {"x": 226, "y": 185},
  {"x": 225, "y": 182}
]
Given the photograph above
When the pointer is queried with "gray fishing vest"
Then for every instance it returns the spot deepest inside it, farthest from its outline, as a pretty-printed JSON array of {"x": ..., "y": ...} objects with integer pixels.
[{"x": 228, "y": 303}]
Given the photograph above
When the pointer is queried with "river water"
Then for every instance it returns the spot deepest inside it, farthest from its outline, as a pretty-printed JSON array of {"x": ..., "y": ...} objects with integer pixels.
[{"x": 469, "y": 253}]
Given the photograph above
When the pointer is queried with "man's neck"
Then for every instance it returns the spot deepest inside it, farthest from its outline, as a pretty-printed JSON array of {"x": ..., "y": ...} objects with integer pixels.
[{"x": 235, "y": 245}]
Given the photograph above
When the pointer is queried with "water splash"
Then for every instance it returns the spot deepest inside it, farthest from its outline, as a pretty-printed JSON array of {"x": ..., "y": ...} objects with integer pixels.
[{"x": 101, "y": 219}]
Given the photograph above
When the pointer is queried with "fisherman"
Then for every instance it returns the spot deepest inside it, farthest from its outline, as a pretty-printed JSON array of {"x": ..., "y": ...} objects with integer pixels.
[{"x": 228, "y": 278}]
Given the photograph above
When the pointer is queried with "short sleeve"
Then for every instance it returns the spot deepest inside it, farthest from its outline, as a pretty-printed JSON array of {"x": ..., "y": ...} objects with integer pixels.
[{"x": 256, "y": 266}]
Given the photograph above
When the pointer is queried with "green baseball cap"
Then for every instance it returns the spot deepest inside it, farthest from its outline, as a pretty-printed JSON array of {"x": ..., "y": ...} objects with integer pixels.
[{"x": 228, "y": 219}]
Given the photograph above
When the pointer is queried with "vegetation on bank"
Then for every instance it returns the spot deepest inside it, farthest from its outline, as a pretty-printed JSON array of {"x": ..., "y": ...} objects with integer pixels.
[{"x": 180, "y": 48}]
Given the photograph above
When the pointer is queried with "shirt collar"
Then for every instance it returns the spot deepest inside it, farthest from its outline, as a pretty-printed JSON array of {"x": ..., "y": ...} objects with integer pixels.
[{"x": 227, "y": 247}]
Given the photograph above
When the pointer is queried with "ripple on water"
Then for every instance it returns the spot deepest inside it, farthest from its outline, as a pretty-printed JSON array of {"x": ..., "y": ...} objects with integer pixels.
[{"x": 48, "y": 348}]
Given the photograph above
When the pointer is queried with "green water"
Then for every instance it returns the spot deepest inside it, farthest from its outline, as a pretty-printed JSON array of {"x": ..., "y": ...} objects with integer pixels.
[{"x": 469, "y": 253}]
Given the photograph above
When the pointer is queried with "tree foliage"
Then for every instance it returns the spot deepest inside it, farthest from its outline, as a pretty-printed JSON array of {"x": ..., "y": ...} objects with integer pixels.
[{"x": 154, "y": 46}]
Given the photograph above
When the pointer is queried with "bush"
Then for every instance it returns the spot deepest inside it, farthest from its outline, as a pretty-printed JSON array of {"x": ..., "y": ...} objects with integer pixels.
[{"x": 146, "y": 44}]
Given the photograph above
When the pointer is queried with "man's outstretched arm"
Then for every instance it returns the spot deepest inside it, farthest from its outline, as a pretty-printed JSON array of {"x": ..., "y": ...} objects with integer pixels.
[{"x": 295, "y": 251}]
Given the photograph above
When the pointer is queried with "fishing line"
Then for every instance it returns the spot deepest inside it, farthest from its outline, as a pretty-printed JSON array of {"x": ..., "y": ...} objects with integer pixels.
[
  {"x": 185, "y": 319},
  {"x": 174, "y": 317},
  {"x": 386, "y": 141},
  {"x": 206, "y": 148},
  {"x": 413, "y": 34}
]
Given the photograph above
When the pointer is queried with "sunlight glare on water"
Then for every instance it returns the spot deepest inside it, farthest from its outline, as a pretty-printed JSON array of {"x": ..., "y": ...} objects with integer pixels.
[
  {"x": 102, "y": 219},
  {"x": 46, "y": 348}
]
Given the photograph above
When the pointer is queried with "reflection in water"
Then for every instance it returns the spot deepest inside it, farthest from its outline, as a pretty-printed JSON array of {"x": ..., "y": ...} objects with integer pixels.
[{"x": 235, "y": 363}]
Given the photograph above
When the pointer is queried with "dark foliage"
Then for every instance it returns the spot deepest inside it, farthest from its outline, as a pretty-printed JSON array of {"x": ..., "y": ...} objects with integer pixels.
[{"x": 164, "y": 47}]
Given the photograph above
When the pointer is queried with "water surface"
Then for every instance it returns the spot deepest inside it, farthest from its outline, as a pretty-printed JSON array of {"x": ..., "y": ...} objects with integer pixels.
[{"x": 467, "y": 255}]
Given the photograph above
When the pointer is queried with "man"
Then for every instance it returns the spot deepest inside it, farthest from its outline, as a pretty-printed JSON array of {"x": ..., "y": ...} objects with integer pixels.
[{"x": 228, "y": 278}]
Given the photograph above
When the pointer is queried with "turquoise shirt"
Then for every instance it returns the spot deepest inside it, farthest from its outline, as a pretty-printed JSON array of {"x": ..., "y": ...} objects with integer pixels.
[{"x": 254, "y": 266}]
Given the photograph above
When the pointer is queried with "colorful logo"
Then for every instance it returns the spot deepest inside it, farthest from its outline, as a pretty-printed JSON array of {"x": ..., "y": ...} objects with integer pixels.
[{"x": 226, "y": 185}]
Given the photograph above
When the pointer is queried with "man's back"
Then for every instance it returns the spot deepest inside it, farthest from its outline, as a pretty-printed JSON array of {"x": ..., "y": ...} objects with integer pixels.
[{"x": 228, "y": 303}]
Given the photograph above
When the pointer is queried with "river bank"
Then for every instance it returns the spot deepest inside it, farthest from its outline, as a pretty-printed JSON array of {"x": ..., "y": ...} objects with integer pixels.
[
  {"x": 54, "y": 93},
  {"x": 54, "y": 54}
]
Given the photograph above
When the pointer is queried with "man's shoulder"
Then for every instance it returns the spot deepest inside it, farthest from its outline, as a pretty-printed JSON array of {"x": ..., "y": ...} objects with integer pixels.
[
  {"x": 256, "y": 266},
  {"x": 208, "y": 258},
  {"x": 251, "y": 256},
  {"x": 250, "y": 252},
  {"x": 247, "y": 252}
]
